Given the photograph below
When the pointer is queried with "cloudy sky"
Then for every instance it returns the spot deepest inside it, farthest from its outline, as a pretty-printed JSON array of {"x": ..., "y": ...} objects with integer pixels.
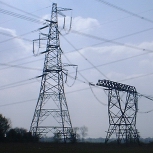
[{"x": 108, "y": 40}]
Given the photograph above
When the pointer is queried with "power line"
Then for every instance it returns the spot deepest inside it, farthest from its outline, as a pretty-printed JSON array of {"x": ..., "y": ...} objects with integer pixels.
[
  {"x": 23, "y": 10},
  {"x": 12, "y": 37},
  {"x": 114, "y": 20},
  {"x": 18, "y": 66},
  {"x": 101, "y": 38},
  {"x": 144, "y": 75},
  {"x": 36, "y": 99},
  {"x": 18, "y": 85},
  {"x": 20, "y": 59},
  {"x": 126, "y": 36},
  {"x": 135, "y": 33},
  {"x": 112, "y": 62},
  {"x": 25, "y": 101},
  {"x": 125, "y": 11},
  {"x": 148, "y": 97},
  {"x": 85, "y": 47},
  {"x": 19, "y": 9},
  {"x": 111, "y": 41},
  {"x": 77, "y": 71},
  {"x": 85, "y": 57},
  {"x": 96, "y": 44},
  {"x": 96, "y": 96},
  {"x": 67, "y": 93},
  {"x": 21, "y": 67},
  {"x": 19, "y": 37},
  {"x": 141, "y": 112},
  {"x": 77, "y": 90},
  {"x": 87, "y": 82},
  {"x": 8, "y": 86},
  {"x": 119, "y": 59},
  {"x": 15, "y": 84},
  {"x": 20, "y": 102},
  {"x": 82, "y": 82},
  {"x": 3, "y": 11},
  {"x": 145, "y": 112},
  {"x": 124, "y": 58},
  {"x": 91, "y": 36}
]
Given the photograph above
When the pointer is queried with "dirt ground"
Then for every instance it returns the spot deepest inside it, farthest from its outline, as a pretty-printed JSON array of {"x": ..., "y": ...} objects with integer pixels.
[{"x": 73, "y": 148}]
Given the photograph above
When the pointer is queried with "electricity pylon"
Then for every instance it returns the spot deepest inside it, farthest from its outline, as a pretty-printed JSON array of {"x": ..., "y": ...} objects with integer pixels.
[
  {"x": 51, "y": 113},
  {"x": 122, "y": 110}
]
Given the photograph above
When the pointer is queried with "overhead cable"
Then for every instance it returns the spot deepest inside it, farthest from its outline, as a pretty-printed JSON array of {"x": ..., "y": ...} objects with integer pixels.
[
  {"x": 85, "y": 58},
  {"x": 20, "y": 102},
  {"x": 77, "y": 71},
  {"x": 3, "y": 11},
  {"x": 21, "y": 67},
  {"x": 125, "y": 11},
  {"x": 19, "y": 9},
  {"x": 19, "y": 37},
  {"x": 96, "y": 96},
  {"x": 131, "y": 78},
  {"x": 111, "y": 41},
  {"x": 19, "y": 83}
]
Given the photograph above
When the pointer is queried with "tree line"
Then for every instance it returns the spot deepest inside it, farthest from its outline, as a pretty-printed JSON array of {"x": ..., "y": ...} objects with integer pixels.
[{"x": 8, "y": 134}]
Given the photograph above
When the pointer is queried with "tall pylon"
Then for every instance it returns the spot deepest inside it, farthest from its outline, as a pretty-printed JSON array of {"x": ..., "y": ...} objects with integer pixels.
[{"x": 51, "y": 114}]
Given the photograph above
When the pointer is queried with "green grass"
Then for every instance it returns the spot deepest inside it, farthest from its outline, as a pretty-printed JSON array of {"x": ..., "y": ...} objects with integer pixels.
[{"x": 73, "y": 148}]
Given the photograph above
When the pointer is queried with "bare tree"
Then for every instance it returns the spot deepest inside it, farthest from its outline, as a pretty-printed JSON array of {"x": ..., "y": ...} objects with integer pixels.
[
  {"x": 83, "y": 132},
  {"x": 76, "y": 131},
  {"x": 57, "y": 137}
]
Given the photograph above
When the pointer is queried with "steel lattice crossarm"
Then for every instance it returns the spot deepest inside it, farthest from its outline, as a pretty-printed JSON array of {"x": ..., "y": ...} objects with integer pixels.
[{"x": 115, "y": 85}]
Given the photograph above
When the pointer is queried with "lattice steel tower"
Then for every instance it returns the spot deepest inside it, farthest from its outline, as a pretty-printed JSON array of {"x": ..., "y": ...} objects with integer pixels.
[
  {"x": 51, "y": 113},
  {"x": 122, "y": 110}
]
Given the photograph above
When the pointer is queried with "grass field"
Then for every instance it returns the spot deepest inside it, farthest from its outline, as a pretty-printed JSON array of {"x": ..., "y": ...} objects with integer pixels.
[{"x": 73, "y": 148}]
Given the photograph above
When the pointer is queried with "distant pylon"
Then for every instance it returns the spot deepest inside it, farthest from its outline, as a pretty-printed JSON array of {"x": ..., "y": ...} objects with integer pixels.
[
  {"x": 51, "y": 114},
  {"x": 122, "y": 110}
]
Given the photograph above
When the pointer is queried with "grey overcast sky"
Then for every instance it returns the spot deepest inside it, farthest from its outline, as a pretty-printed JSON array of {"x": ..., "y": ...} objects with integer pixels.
[{"x": 127, "y": 58}]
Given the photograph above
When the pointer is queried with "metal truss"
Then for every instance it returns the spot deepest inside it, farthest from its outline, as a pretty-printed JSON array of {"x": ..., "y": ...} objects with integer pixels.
[
  {"x": 52, "y": 102},
  {"x": 122, "y": 110}
]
